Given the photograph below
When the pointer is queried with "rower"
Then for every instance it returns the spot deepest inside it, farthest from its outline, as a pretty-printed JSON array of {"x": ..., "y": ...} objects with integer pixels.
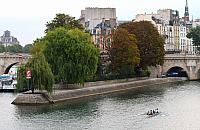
[
  {"x": 156, "y": 110},
  {"x": 151, "y": 112}
]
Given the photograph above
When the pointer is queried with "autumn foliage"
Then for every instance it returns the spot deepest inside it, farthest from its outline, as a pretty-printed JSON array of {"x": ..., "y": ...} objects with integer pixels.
[
  {"x": 149, "y": 42},
  {"x": 124, "y": 52}
]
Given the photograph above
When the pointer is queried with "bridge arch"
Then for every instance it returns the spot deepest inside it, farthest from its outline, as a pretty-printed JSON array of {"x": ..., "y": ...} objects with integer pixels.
[
  {"x": 189, "y": 63},
  {"x": 8, "y": 68},
  {"x": 7, "y": 60},
  {"x": 171, "y": 65},
  {"x": 177, "y": 71}
]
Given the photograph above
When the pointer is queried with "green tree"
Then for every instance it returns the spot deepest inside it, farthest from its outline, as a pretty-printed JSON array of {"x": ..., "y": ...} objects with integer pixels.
[
  {"x": 22, "y": 82},
  {"x": 124, "y": 53},
  {"x": 150, "y": 42},
  {"x": 17, "y": 48},
  {"x": 71, "y": 55},
  {"x": 42, "y": 77},
  {"x": 27, "y": 47},
  {"x": 2, "y": 48},
  {"x": 63, "y": 20},
  {"x": 195, "y": 35}
]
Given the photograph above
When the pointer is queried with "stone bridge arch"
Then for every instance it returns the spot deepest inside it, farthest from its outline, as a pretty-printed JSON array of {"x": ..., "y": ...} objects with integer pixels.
[
  {"x": 9, "y": 67},
  {"x": 177, "y": 71},
  {"x": 170, "y": 63},
  {"x": 168, "y": 67},
  {"x": 197, "y": 71},
  {"x": 189, "y": 63},
  {"x": 7, "y": 60}
]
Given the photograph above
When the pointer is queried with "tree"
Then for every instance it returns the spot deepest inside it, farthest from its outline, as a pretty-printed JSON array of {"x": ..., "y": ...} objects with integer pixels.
[
  {"x": 124, "y": 52},
  {"x": 63, "y": 20},
  {"x": 150, "y": 42},
  {"x": 2, "y": 48},
  {"x": 22, "y": 82},
  {"x": 71, "y": 55},
  {"x": 42, "y": 77},
  {"x": 27, "y": 47},
  {"x": 195, "y": 35},
  {"x": 16, "y": 48}
]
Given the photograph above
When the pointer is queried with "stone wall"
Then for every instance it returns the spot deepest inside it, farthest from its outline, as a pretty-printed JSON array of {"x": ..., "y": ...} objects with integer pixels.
[
  {"x": 97, "y": 83},
  {"x": 69, "y": 95}
]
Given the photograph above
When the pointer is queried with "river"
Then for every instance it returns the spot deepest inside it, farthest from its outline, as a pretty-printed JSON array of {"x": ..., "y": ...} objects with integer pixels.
[{"x": 179, "y": 104}]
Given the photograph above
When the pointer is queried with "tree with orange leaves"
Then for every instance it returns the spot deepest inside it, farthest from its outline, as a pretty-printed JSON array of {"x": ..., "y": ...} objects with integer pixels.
[
  {"x": 150, "y": 42},
  {"x": 124, "y": 53}
]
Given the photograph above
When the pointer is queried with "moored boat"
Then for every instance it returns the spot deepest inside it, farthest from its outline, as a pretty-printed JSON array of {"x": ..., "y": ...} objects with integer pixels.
[{"x": 7, "y": 83}]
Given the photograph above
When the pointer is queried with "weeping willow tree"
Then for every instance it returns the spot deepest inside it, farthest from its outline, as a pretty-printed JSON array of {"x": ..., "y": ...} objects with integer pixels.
[
  {"x": 42, "y": 77},
  {"x": 22, "y": 83},
  {"x": 72, "y": 56}
]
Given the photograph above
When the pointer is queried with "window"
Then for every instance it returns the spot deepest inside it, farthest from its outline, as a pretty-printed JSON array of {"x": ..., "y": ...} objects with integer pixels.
[
  {"x": 98, "y": 32},
  {"x": 94, "y": 31},
  {"x": 98, "y": 41}
]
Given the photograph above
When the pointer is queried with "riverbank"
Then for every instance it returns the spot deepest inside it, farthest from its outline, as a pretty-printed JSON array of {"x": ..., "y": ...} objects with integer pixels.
[{"x": 89, "y": 91}]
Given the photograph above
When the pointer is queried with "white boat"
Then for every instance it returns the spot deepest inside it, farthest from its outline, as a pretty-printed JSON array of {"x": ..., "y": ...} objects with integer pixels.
[{"x": 9, "y": 84}]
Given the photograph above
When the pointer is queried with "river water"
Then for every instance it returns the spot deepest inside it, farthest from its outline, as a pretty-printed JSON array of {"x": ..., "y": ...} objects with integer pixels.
[{"x": 179, "y": 104}]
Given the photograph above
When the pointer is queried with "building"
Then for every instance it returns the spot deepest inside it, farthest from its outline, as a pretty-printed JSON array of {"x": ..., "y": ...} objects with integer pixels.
[
  {"x": 102, "y": 35},
  {"x": 166, "y": 23},
  {"x": 168, "y": 16},
  {"x": 165, "y": 16},
  {"x": 102, "y": 38},
  {"x": 7, "y": 39},
  {"x": 91, "y": 17},
  {"x": 146, "y": 17},
  {"x": 173, "y": 29},
  {"x": 100, "y": 22},
  {"x": 186, "y": 45},
  {"x": 171, "y": 36},
  {"x": 196, "y": 23}
]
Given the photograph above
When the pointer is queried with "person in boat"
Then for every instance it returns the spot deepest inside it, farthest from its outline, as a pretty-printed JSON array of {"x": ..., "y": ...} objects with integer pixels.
[
  {"x": 156, "y": 110},
  {"x": 150, "y": 112}
]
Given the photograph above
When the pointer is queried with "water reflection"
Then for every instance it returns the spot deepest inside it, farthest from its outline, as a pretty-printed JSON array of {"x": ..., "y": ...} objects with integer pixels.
[{"x": 178, "y": 103}]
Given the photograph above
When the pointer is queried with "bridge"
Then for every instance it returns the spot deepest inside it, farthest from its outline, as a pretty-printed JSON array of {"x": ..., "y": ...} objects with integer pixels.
[
  {"x": 187, "y": 65},
  {"x": 7, "y": 60}
]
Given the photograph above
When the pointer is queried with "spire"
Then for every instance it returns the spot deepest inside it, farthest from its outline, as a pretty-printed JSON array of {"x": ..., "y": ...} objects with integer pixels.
[
  {"x": 186, "y": 14},
  {"x": 186, "y": 3}
]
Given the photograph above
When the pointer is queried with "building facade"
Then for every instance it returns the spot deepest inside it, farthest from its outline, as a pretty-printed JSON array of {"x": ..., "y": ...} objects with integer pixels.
[
  {"x": 102, "y": 36},
  {"x": 186, "y": 45},
  {"x": 167, "y": 27},
  {"x": 173, "y": 29},
  {"x": 91, "y": 17},
  {"x": 171, "y": 36},
  {"x": 168, "y": 16},
  {"x": 7, "y": 39}
]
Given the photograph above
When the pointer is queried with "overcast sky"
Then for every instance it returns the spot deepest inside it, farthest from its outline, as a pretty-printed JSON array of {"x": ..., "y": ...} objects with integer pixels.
[{"x": 26, "y": 19}]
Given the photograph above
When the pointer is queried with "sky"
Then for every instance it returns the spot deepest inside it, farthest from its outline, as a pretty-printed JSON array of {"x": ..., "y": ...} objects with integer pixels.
[{"x": 26, "y": 19}]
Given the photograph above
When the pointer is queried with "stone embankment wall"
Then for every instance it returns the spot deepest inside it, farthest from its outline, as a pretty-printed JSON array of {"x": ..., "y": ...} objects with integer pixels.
[
  {"x": 97, "y": 83},
  {"x": 69, "y": 95}
]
